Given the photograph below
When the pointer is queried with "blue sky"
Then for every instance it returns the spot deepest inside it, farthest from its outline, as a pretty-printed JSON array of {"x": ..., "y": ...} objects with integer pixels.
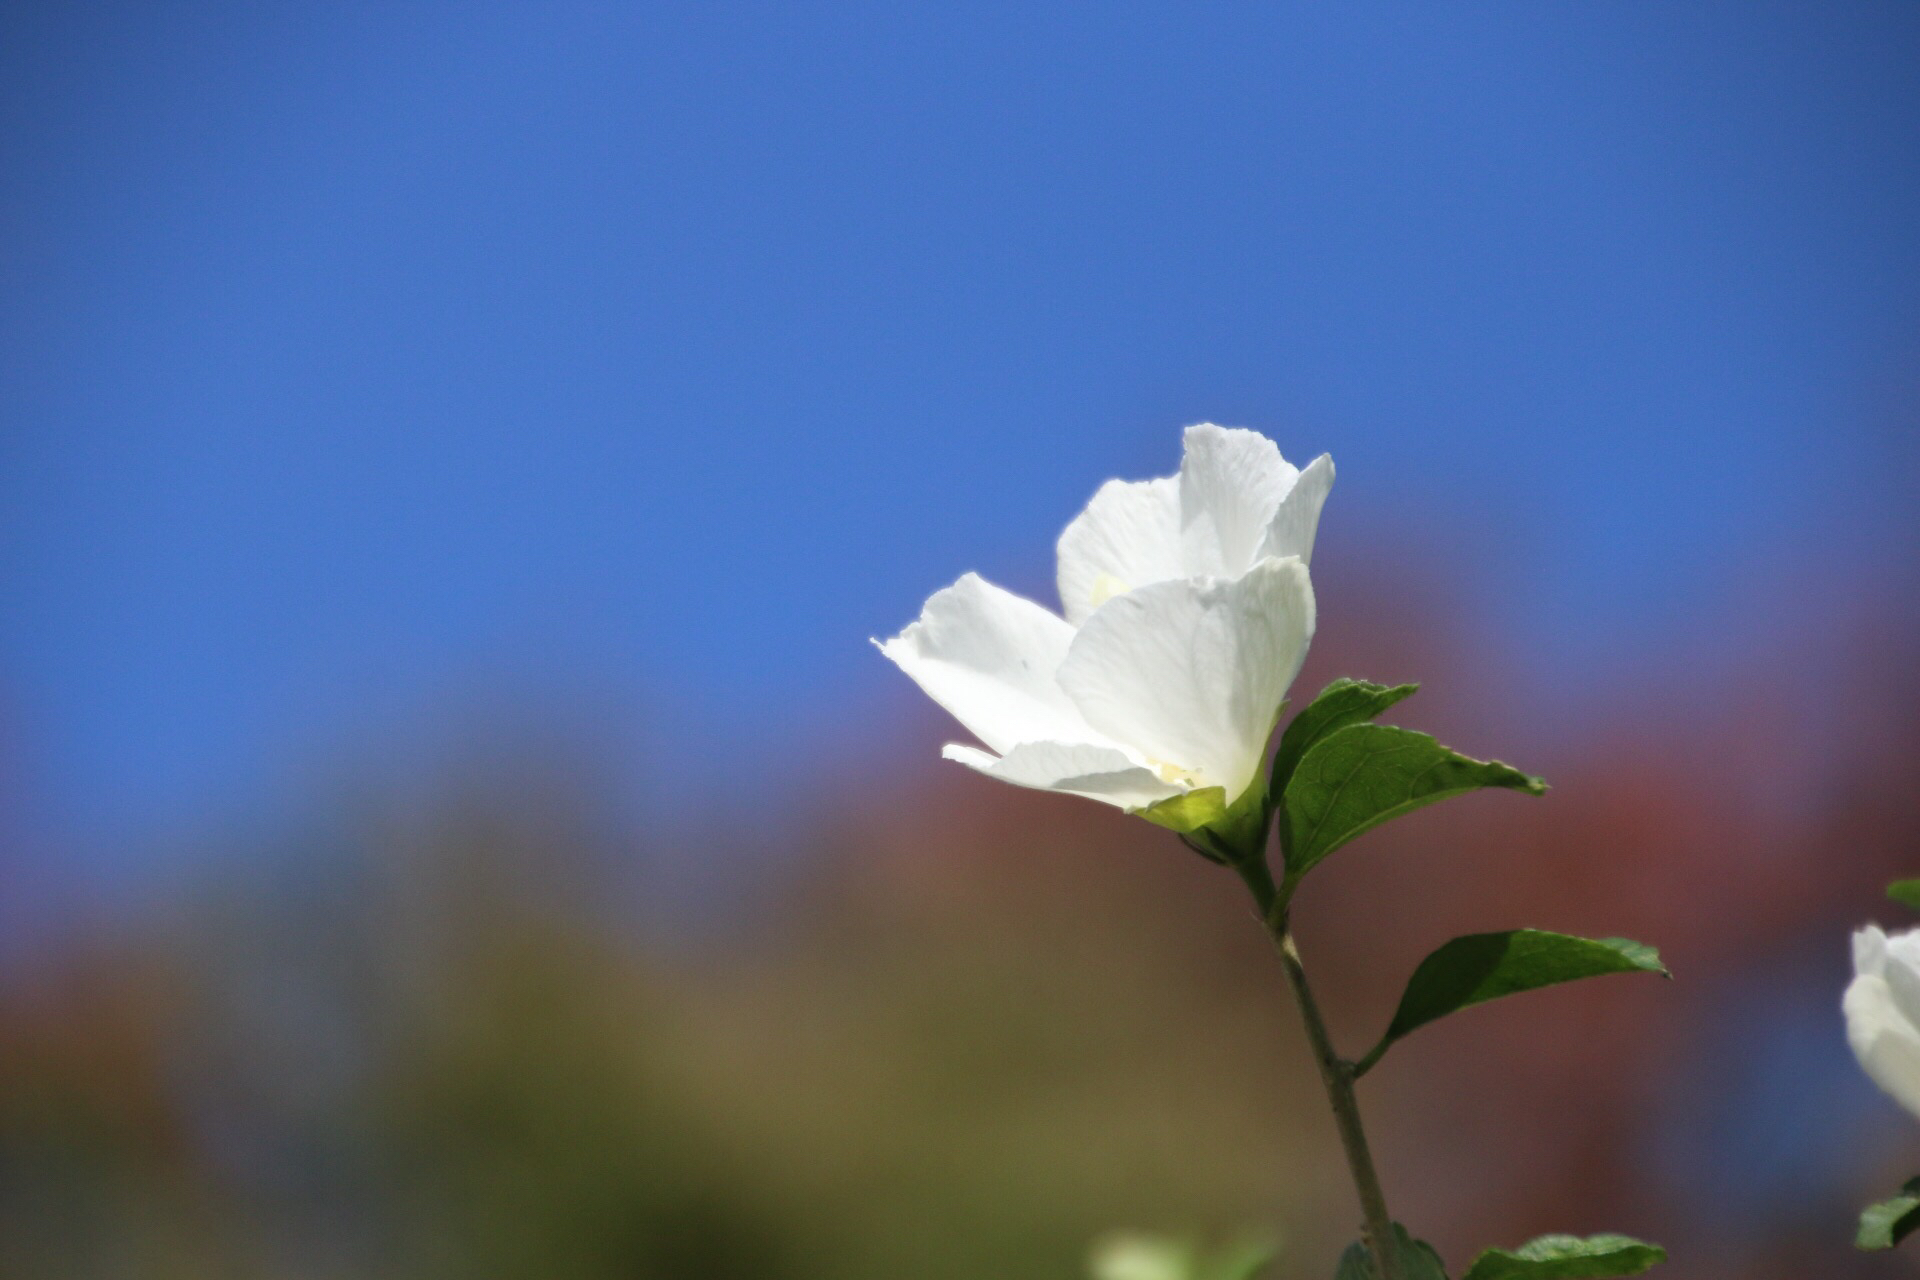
[{"x": 354, "y": 356}]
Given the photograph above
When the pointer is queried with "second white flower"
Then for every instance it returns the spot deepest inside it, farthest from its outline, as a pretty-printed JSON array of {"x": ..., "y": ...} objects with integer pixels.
[{"x": 1882, "y": 1007}]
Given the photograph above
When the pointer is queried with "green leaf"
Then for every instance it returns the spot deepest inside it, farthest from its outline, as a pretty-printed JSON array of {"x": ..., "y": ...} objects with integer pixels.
[
  {"x": 1485, "y": 966},
  {"x": 1362, "y": 775},
  {"x": 1886, "y": 1224},
  {"x": 1906, "y": 893},
  {"x": 1568, "y": 1258},
  {"x": 1340, "y": 704},
  {"x": 1418, "y": 1261}
]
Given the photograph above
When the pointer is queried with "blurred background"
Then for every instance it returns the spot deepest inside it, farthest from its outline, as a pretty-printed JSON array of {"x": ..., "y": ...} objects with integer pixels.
[{"x": 452, "y": 458}]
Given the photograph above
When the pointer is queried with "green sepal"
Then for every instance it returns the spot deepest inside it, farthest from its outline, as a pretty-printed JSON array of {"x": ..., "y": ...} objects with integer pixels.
[
  {"x": 1188, "y": 811},
  {"x": 1418, "y": 1260},
  {"x": 1227, "y": 833},
  {"x": 1906, "y": 893},
  {"x": 1886, "y": 1224},
  {"x": 1568, "y": 1258},
  {"x": 1480, "y": 967},
  {"x": 1362, "y": 775},
  {"x": 1341, "y": 703}
]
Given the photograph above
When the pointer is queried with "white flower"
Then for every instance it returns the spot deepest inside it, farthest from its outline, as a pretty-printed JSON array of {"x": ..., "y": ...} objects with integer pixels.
[
  {"x": 1188, "y": 612},
  {"x": 1882, "y": 1006}
]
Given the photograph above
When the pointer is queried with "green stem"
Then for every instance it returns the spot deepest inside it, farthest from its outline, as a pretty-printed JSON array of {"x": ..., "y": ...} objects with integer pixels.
[{"x": 1336, "y": 1073}]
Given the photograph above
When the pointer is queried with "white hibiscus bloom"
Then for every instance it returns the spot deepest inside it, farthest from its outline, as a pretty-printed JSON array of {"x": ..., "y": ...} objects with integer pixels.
[
  {"x": 1882, "y": 1008},
  {"x": 1188, "y": 611}
]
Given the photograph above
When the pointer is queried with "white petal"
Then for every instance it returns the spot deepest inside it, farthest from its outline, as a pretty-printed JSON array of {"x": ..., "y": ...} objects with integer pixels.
[
  {"x": 1290, "y": 532},
  {"x": 1231, "y": 484},
  {"x": 1191, "y": 674},
  {"x": 1887, "y": 1045},
  {"x": 1903, "y": 947},
  {"x": 1902, "y": 974},
  {"x": 989, "y": 657},
  {"x": 1869, "y": 950},
  {"x": 1128, "y": 536},
  {"x": 1098, "y": 773},
  {"x": 1903, "y": 980}
]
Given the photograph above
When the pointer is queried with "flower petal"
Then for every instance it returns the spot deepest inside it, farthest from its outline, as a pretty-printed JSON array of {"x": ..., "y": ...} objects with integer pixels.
[
  {"x": 1902, "y": 975},
  {"x": 1869, "y": 950},
  {"x": 1887, "y": 1045},
  {"x": 1077, "y": 768},
  {"x": 1903, "y": 946},
  {"x": 1290, "y": 532},
  {"x": 1128, "y": 536},
  {"x": 989, "y": 657},
  {"x": 1231, "y": 484},
  {"x": 1191, "y": 674}
]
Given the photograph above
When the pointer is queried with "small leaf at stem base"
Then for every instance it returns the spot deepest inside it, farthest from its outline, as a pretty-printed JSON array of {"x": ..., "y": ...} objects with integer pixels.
[
  {"x": 1568, "y": 1258},
  {"x": 1418, "y": 1261},
  {"x": 1886, "y": 1224},
  {"x": 1906, "y": 893}
]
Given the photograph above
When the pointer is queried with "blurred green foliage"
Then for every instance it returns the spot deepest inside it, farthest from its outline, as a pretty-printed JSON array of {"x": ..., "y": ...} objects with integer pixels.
[
  {"x": 950, "y": 1032},
  {"x": 455, "y": 1052}
]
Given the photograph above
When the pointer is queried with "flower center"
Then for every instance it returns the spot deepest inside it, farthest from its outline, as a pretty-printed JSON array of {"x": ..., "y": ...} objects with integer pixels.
[
  {"x": 1106, "y": 587},
  {"x": 1176, "y": 775}
]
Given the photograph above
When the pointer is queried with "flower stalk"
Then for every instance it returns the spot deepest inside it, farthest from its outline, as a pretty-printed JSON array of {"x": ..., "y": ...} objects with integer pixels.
[{"x": 1337, "y": 1074}]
